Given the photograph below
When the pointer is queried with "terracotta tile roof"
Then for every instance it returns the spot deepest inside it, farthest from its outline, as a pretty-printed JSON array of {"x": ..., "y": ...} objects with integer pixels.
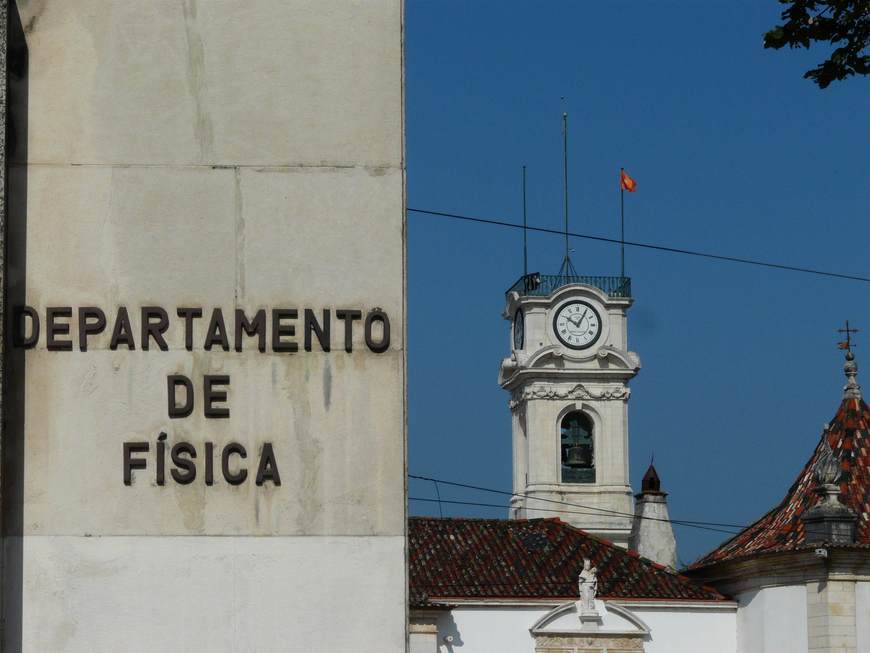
[
  {"x": 781, "y": 529},
  {"x": 529, "y": 559}
]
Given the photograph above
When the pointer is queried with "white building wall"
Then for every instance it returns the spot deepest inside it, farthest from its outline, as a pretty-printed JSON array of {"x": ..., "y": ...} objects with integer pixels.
[
  {"x": 686, "y": 630},
  {"x": 489, "y": 630},
  {"x": 862, "y": 615},
  {"x": 772, "y": 620},
  {"x": 675, "y": 629}
]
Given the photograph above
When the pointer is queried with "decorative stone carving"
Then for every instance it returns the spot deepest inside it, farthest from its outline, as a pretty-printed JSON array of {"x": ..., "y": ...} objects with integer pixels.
[
  {"x": 578, "y": 391},
  {"x": 582, "y": 644}
]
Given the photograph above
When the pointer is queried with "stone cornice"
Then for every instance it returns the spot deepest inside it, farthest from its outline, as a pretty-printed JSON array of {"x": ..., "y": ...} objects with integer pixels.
[
  {"x": 576, "y": 392},
  {"x": 785, "y": 568}
]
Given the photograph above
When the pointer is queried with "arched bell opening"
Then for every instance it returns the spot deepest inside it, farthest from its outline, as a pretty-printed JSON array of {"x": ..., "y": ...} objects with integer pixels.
[{"x": 577, "y": 446}]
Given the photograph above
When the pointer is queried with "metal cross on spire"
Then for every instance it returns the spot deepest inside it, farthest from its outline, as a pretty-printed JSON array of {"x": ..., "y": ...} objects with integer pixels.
[{"x": 847, "y": 343}]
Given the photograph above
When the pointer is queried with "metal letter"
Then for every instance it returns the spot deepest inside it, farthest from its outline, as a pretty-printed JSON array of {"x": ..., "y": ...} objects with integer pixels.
[
  {"x": 154, "y": 330},
  {"x": 257, "y": 327},
  {"x": 188, "y": 314},
  {"x": 322, "y": 333},
  {"x": 53, "y": 328},
  {"x": 217, "y": 331},
  {"x": 122, "y": 333},
  {"x": 268, "y": 468},
  {"x": 279, "y": 329},
  {"x": 131, "y": 463},
  {"x": 172, "y": 382},
  {"x": 19, "y": 333},
  {"x": 184, "y": 463},
  {"x": 348, "y": 316},
  {"x": 87, "y": 328},
  {"x": 161, "y": 458},
  {"x": 379, "y": 316},
  {"x": 239, "y": 477},
  {"x": 210, "y": 396}
]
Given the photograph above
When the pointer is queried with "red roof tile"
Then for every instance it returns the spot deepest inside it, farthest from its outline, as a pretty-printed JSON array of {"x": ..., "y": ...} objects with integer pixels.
[
  {"x": 781, "y": 529},
  {"x": 529, "y": 559}
]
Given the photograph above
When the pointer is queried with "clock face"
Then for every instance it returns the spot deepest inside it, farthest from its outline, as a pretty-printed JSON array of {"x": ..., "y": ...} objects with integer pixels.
[
  {"x": 577, "y": 325},
  {"x": 519, "y": 329}
]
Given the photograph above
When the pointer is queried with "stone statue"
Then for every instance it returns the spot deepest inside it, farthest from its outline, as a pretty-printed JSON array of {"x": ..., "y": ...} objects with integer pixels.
[{"x": 588, "y": 583}]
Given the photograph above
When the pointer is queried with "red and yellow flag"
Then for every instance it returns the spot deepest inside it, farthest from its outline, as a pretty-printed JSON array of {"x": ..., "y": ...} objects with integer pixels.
[{"x": 626, "y": 182}]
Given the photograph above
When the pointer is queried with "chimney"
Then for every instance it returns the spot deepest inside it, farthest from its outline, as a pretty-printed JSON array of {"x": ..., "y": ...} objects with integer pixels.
[{"x": 652, "y": 535}]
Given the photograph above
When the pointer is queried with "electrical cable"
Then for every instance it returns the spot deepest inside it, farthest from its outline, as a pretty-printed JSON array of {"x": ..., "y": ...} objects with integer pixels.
[{"x": 660, "y": 248}]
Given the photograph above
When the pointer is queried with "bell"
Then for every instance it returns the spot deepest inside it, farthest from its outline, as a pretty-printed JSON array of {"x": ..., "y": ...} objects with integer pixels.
[{"x": 579, "y": 456}]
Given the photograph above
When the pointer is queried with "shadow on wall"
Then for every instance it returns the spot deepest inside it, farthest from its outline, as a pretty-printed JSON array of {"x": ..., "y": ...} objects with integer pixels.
[
  {"x": 449, "y": 635},
  {"x": 17, "y": 64}
]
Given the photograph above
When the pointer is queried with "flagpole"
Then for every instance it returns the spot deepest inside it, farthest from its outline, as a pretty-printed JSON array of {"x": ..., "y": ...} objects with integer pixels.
[{"x": 621, "y": 225}]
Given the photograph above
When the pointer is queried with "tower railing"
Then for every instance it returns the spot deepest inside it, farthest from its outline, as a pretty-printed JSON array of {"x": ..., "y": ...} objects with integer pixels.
[{"x": 541, "y": 285}]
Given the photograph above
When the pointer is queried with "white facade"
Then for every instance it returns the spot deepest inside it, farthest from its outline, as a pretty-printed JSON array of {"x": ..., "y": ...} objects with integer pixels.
[
  {"x": 548, "y": 380},
  {"x": 808, "y": 601},
  {"x": 772, "y": 619},
  {"x": 862, "y": 616},
  {"x": 228, "y": 156},
  {"x": 661, "y": 627}
]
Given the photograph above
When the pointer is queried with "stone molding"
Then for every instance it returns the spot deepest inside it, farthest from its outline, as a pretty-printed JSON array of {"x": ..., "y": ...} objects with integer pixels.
[{"x": 576, "y": 392}]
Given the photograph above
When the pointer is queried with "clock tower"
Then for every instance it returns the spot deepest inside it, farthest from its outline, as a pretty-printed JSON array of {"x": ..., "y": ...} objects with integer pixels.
[{"x": 568, "y": 379}]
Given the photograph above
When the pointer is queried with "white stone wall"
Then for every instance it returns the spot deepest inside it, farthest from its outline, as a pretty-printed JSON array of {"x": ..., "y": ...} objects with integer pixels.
[
  {"x": 772, "y": 620},
  {"x": 862, "y": 616},
  {"x": 213, "y": 154},
  {"x": 677, "y": 629},
  {"x": 674, "y": 628},
  {"x": 831, "y": 616}
]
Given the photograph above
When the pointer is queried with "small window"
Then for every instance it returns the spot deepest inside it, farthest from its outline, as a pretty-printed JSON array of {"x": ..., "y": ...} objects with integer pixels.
[{"x": 578, "y": 453}]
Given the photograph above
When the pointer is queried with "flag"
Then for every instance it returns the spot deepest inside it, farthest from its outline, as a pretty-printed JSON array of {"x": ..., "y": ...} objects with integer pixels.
[
  {"x": 626, "y": 182},
  {"x": 843, "y": 345}
]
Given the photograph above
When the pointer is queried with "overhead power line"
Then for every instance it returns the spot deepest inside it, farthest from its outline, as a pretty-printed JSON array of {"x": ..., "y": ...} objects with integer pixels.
[
  {"x": 704, "y": 525},
  {"x": 567, "y": 512},
  {"x": 659, "y": 248}
]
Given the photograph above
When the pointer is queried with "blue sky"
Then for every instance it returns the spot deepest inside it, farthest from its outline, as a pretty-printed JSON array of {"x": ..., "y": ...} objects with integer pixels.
[{"x": 734, "y": 153}]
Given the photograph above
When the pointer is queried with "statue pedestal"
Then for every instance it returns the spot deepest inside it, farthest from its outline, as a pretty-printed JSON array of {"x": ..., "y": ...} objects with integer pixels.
[{"x": 589, "y": 619}]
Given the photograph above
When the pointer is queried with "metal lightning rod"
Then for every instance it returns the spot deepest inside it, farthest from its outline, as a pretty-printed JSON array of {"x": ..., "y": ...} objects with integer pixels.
[
  {"x": 565, "y": 171},
  {"x": 525, "y": 230}
]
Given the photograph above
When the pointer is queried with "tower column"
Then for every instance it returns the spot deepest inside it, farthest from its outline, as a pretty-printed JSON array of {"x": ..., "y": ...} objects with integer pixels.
[{"x": 568, "y": 375}]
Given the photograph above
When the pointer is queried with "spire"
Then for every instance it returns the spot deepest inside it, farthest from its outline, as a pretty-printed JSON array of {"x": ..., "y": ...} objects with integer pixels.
[
  {"x": 651, "y": 481},
  {"x": 851, "y": 390},
  {"x": 652, "y": 535}
]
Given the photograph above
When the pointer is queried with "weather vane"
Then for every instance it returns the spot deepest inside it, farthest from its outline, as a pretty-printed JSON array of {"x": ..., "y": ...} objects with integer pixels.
[{"x": 847, "y": 343}]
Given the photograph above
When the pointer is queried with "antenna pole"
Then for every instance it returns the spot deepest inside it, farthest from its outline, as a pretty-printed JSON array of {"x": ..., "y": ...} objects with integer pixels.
[
  {"x": 525, "y": 230},
  {"x": 621, "y": 226},
  {"x": 565, "y": 169}
]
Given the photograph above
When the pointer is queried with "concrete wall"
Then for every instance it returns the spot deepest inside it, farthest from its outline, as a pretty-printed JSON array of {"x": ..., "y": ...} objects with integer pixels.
[
  {"x": 213, "y": 154},
  {"x": 772, "y": 619}
]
